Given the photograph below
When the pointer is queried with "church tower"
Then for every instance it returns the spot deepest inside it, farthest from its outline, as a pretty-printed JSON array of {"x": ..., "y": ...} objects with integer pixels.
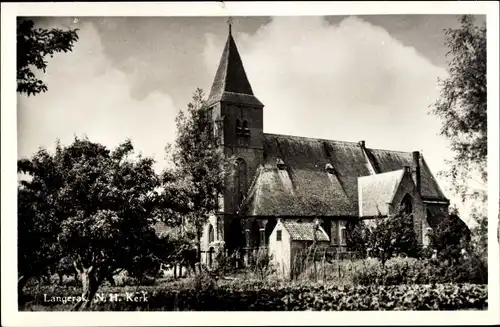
[{"x": 238, "y": 118}]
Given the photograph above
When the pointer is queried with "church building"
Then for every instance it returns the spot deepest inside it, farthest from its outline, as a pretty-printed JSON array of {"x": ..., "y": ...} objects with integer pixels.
[{"x": 298, "y": 179}]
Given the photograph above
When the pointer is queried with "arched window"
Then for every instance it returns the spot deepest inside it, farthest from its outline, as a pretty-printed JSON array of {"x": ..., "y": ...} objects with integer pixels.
[
  {"x": 210, "y": 233},
  {"x": 407, "y": 204},
  {"x": 219, "y": 228},
  {"x": 210, "y": 256},
  {"x": 240, "y": 179}
]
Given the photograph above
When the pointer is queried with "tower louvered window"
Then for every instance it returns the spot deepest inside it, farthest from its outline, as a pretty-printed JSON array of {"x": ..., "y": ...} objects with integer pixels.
[
  {"x": 238, "y": 127},
  {"x": 246, "y": 130}
]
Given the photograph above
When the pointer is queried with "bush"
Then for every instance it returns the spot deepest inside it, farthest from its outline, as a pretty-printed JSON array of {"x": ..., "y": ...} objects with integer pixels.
[
  {"x": 263, "y": 266},
  {"x": 412, "y": 271},
  {"x": 204, "y": 280}
]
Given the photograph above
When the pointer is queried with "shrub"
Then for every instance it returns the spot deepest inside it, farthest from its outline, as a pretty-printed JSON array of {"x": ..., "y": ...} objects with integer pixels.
[
  {"x": 263, "y": 266},
  {"x": 203, "y": 281},
  {"x": 412, "y": 271}
]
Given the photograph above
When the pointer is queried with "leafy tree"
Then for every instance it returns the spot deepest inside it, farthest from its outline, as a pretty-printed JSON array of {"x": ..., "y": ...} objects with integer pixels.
[
  {"x": 38, "y": 217},
  {"x": 177, "y": 244},
  {"x": 99, "y": 210},
  {"x": 449, "y": 238},
  {"x": 33, "y": 45},
  {"x": 199, "y": 165},
  {"x": 462, "y": 108},
  {"x": 393, "y": 236}
]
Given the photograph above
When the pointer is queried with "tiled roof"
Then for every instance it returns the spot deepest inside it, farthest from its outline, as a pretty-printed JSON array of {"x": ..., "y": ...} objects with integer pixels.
[
  {"x": 304, "y": 231},
  {"x": 231, "y": 83},
  {"x": 377, "y": 191},
  {"x": 314, "y": 191}
]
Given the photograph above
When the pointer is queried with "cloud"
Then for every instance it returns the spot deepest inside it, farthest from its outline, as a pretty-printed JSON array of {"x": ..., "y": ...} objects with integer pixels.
[{"x": 87, "y": 96}]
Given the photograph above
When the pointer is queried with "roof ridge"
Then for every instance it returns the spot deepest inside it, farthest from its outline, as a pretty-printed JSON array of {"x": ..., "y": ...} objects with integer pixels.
[
  {"x": 335, "y": 141},
  {"x": 397, "y": 151},
  {"x": 309, "y": 138}
]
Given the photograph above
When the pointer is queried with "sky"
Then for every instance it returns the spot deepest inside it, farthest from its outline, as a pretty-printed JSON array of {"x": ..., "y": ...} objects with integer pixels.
[{"x": 346, "y": 78}]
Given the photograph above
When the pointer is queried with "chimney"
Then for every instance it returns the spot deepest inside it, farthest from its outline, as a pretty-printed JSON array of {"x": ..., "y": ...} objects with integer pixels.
[
  {"x": 362, "y": 144},
  {"x": 416, "y": 170}
]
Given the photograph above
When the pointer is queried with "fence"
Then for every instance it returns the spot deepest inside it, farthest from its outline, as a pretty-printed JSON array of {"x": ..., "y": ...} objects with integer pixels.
[{"x": 322, "y": 263}]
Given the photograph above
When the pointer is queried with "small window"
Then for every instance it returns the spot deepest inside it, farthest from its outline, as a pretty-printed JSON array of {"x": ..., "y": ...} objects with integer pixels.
[
  {"x": 329, "y": 168},
  {"x": 343, "y": 236},
  {"x": 334, "y": 232},
  {"x": 281, "y": 165},
  {"x": 262, "y": 237},
  {"x": 278, "y": 236}
]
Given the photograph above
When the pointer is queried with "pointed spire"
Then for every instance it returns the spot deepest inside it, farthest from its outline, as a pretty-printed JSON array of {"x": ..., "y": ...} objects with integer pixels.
[
  {"x": 231, "y": 82},
  {"x": 230, "y": 23}
]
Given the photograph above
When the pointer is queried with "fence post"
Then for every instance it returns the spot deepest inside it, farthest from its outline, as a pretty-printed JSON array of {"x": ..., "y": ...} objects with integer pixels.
[
  {"x": 314, "y": 262},
  {"x": 324, "y": 270}
]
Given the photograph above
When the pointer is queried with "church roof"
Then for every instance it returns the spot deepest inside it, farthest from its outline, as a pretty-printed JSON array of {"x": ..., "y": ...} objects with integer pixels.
[
  {"x": 304, "y": 231},
  {"x": 306, "y": 188},
  {"x": 377, "y": 191},
  {"x": 231, "y": 83}
]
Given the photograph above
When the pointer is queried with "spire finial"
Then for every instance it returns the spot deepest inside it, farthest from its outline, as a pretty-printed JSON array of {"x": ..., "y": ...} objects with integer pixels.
[{"x": 230, "y": 23}]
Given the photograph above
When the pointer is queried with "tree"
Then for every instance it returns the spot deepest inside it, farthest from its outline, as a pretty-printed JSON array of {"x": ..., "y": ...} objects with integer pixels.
[
  {"x": 357, "y": 236},
  {"x": 199, "y": 164},
  {"x": 177, "y": 244},
  {"x": 449, "y": 238},
  {"x": 100, "y": 207},
  {"x": 462, "y": 108},
  {"x": 38, "y": 217},
  {"x": 392, "y": 236},
  {"x": 33, "y": 45}
]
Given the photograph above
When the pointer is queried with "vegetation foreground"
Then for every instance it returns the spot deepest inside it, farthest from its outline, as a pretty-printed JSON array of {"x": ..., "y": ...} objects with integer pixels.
[
  {"x": 280, "y": 297},
  {"x": 358, "y": 285}
]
